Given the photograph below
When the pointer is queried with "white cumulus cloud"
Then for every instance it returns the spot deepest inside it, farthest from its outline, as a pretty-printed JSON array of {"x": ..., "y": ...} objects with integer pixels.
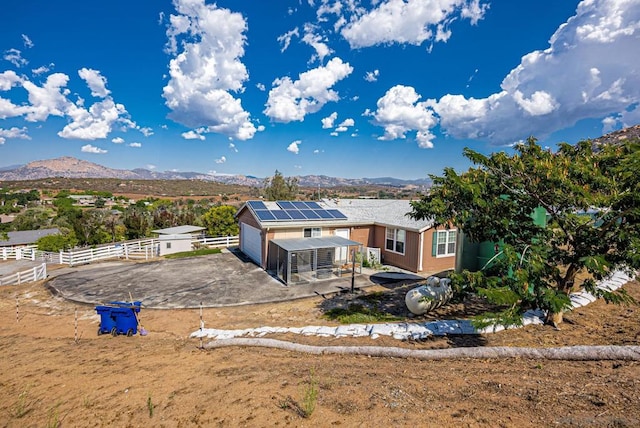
[
  {"x": 328, "y": 121},
  {"x": 193, "y": 135},
  {"x": 92, "y": 149},
  {"x": 317, "y": 42},
  {"x": 41, "y": 70},
  {"x": 372, "y": 76},
  {"x": 136, "y": 145},
  {"x": 27, "y": 41},
  {"x": 293, "y": 147},
  {"x": 285, "y": 39},
  {"x": 117, "y": 140},
  {"x": 93, "y": 123},
  {"x": 13, "y": 132},
  {"x": 409, "y": 21},
  {"x": 292, "y": 100},
  {"x": 222, "y": 159},
  {"x": 51, "y": 99},
  {"x": 587, "y": 72},
  {"x": 207, "y": 69},
  {"x": 9, "y": 79},
  {"x": 146, "y": 131},
  {"x": 14, "y": 56},
  {"x": 96, "y": 82},
  {"x": 399, "y": 112}
]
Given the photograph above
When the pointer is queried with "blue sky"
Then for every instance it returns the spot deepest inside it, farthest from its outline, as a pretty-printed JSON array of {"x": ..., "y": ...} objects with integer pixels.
[{"x": 343, "y": 88}]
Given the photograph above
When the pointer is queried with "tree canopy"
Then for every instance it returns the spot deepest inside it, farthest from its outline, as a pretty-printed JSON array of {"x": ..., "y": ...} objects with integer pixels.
[
  {"x": 280, "y": 188},
  {"x": 591, "y": 194},
  {"x": 220, "y": 221}
]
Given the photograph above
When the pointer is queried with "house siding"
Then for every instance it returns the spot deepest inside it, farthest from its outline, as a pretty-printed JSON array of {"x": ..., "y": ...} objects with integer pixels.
[
  {"x": 363, "y": 235},
  {"x": 408, "y": 260},
  {"x": 430, "y": 263}
]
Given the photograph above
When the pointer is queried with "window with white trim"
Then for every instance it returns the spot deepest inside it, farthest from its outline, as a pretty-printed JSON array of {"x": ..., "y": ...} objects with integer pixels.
[
  {"x": 444, "y": 243},
  {"x": 312, "y": 232},
  {"x": 395, "y": 240}
]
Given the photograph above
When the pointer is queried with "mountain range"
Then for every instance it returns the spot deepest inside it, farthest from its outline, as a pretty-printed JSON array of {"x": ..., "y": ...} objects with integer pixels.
[{"x": 70, "y": 167}]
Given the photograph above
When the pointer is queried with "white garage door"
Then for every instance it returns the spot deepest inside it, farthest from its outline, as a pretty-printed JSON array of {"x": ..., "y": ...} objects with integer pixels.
[{"x": 251, "y": 243}]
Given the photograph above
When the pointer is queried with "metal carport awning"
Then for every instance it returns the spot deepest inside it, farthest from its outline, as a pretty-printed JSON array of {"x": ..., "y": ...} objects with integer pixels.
[
  {"x": 300, "y": 244},
  {"x": 300, "y": 260}
]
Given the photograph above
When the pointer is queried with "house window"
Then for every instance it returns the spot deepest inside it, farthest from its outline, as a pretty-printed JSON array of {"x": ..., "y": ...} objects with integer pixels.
[
  {"x": 395, "y": 240},
  {"x": 312, "y": 232},
  {"x": 168, "y": 245},
  {"x": 444, "y": 243}
]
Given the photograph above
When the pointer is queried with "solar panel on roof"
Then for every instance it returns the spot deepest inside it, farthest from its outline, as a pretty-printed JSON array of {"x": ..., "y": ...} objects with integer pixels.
[
  {"x": 285, "y": 205},
  {"x": 300, "y": 205},
  {"x": 295, "y": 214},
  {"x": 294, "y": 211},
  {"x": 310, "y": 214},
  {"x": 264, "y": 215},
  {"x": 280, "y": 215},
  {"x": 337, "y": 214},
  {"x": 323, "y": 214},
  {"x": 313, "y": 205},
  {"x": 257, "y": 205}
]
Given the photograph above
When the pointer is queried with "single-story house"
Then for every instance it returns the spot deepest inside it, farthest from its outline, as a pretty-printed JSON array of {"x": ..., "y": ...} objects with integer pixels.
[
  {"x": 22, "y": 242},
  {"x": 177, "y": 239},
  {"x": 300, "y": 240}
]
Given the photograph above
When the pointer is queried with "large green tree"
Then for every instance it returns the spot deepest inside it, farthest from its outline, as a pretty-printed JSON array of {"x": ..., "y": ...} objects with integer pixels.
[
  {"x": 220, "y": 221},
  {"x": 137, "y": 221},
  {"x": 32, "y": 219},
  {"x": 280, "y": 188},
  {"x": 591, "y": 194}
]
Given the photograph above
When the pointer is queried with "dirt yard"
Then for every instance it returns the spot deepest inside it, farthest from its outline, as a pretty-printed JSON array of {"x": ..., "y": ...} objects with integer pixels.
[{"x": 50, "y": 379}]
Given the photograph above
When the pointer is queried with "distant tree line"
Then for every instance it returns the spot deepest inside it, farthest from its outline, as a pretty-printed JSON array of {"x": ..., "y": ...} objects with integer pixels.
[
  {"x": 98, "y": 225},
  {"x": 12, "y": 202}
]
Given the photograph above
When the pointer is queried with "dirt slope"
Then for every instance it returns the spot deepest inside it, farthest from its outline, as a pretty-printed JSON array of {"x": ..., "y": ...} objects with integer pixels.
[{"x": 164, "y": 380}]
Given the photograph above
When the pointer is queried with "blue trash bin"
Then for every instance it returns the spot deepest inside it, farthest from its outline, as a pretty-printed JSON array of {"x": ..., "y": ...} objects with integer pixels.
[
  {"x": 126, "y": 321},
  {"x": 107, "y": 320},
  {"x": 120, "y": 318}
]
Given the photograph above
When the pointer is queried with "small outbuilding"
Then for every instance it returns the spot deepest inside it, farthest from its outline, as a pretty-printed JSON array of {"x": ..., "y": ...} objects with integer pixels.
[{"x": 177, "y": 239}]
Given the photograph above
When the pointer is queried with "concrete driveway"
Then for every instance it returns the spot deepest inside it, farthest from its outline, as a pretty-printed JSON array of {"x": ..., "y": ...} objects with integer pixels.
[{"x": 216, "y": 280}]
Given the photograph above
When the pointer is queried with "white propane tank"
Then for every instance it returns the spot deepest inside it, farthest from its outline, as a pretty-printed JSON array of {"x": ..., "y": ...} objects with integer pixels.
[{"x": 429, "y": 296}]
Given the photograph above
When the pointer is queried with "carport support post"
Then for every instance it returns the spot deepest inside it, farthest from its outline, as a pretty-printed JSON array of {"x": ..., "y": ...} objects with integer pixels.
[{"x": 353, "y": 270}]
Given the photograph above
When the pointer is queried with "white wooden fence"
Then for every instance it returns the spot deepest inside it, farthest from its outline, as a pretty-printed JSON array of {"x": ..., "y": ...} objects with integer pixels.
[
  {"x": 221, "y": 242},
  {"x": 36, "y": 273},
  {"x": 142, "y": 249},
  {"x": 18, "y": 253}
]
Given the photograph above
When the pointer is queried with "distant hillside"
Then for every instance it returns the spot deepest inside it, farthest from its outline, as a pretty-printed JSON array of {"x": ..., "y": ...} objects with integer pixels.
[
  {"x": 70, "y": 167},
  {"x": 631, "y": 133}
]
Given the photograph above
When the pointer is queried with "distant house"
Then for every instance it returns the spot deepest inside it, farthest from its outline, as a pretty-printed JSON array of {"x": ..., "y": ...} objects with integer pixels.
[
  {"x": 177, "y": 239},
  {"x": 26, "y": 237},
  {"x": 301, "y": 241},
  {"x": 22, "y": 241},
  {"x": 83, "y": 200}
]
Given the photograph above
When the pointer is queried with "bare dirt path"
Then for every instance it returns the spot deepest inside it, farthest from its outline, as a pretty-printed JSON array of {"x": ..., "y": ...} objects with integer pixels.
[{"x": 47, "y": 378}]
